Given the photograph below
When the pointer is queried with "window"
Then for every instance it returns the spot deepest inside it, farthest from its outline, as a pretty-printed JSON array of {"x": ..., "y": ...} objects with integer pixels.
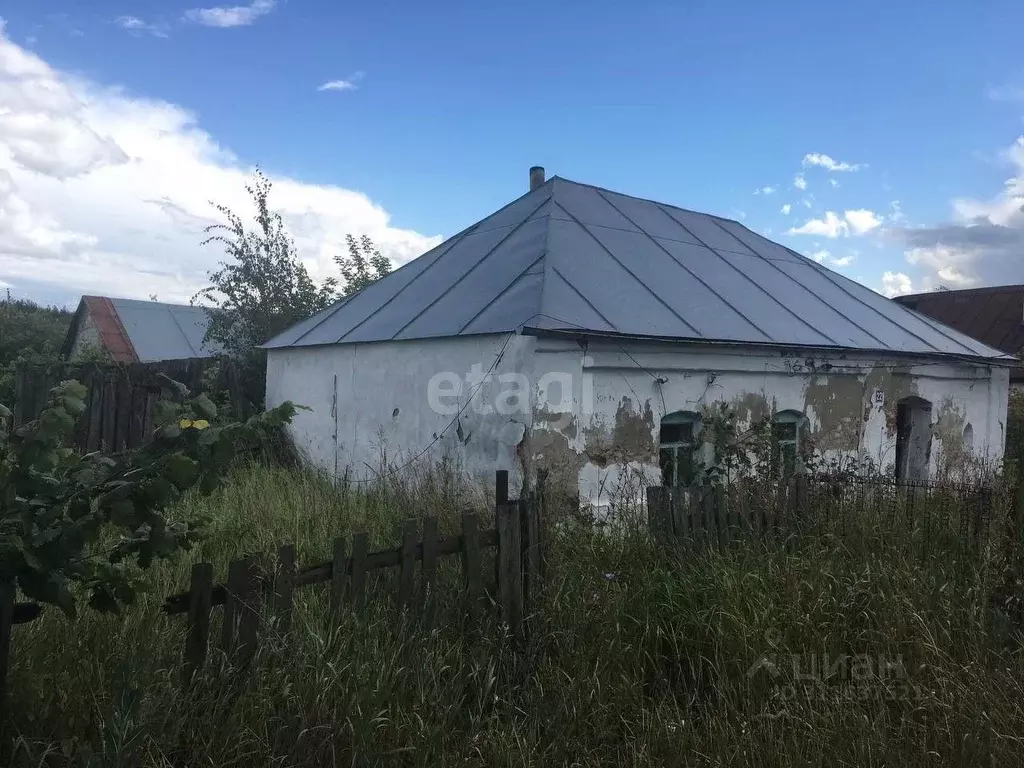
[
  {"x": 786, "y": 433},
  {"x": 678, "y": 456}
]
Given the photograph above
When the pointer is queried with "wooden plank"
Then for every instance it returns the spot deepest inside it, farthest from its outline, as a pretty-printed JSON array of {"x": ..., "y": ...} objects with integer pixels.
[
  {"x": 109, "y": 414},
  {"x": 510, "y": 572},
  {"x": 197, "y": 633},
  {"x": 137, "y": 417},
  {"x": 471, "y": 561},
  {"x": 709, "y": 536},
  {"x": 501, "y": 487},
  {"x": 339, "y": 577},
  {"x": 357, "y": 584},
  {"x": 124, "y": 406},
  {"x": 235, "y": 583},
  {"x": 542, "y": 508},
  {"x": 428, "y": 575},
  {"x": 284, "y": 587},
  {"x": 93, "y": 435},
  {"x": 20, "y": 389},
  {"x": 407, "y": 567}
]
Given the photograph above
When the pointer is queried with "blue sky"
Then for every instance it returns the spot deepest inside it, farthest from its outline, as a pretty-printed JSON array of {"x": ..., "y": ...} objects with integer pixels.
[{"x": 439, "y": 109}]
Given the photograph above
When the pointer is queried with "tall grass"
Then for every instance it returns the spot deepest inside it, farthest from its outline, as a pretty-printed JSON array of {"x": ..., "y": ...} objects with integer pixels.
[{"x": 823, "y": 649}]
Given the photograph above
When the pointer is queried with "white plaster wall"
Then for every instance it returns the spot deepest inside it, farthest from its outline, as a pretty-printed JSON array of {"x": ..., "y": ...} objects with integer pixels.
[
  {"x": 384, "y": 413},
  {"x": 88, "y": 337},
  {"x": 821, "y": 386}
]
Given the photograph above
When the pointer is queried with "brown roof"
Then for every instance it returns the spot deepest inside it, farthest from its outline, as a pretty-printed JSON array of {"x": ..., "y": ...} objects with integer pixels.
[
  {"x": 113, "y": 336},
  {"x": 994, "y": 315}
]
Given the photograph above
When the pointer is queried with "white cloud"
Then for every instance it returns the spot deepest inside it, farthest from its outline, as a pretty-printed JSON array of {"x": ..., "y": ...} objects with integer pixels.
[
  {"x": 786, "y": 209},
  {"x": 984, "y": 242},
  {"x": 826, "y": 162},
  {"x": 800, "y": 182},
  {"x": 862, "y": 220},
  {"x": 834, "y": 182},
  {"x": 351, "y": 84},
  {"x": 765, "y": 191},
  {"x": 106, "y": 193},
  {"x": 896, "y": 212},
  {"x": 1006, "y": 92},
  {"x": 231, "y": 16},
  {"x": 843, "y": 261},
  {"x": 830, "y": 226},
  {"x": 137, "y": 26},
  {"x": 896, "y": 284},
  {"x": 856, "y": 222},
  {"x": 820, "y": 256}
]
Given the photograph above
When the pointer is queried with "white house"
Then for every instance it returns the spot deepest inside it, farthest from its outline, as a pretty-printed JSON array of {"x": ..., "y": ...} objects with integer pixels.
[{"x": 591, "y": 333}]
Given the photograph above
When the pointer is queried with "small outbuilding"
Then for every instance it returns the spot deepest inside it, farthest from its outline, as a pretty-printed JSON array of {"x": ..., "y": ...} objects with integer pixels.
[
  {"x": 608, "y": 339},
  {"x": 133, "y": 331}
]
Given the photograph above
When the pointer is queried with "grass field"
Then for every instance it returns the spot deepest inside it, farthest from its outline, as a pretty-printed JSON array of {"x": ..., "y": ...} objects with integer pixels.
[{"x": 825, "y": 650}]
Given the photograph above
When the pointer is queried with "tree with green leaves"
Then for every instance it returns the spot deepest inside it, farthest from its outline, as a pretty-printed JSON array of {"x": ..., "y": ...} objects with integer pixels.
[
  {"x": 261, "y": 288},
  {"x": 29, "y": 333},
  {"x": 73, "y": 523},
  {"x": 363, "y": 265}
]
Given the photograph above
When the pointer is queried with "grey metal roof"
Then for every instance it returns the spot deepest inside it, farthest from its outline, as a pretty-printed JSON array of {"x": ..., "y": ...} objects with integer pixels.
[
  {"x": 161, "y": 331},
  {"x": 571, "y": 257}
]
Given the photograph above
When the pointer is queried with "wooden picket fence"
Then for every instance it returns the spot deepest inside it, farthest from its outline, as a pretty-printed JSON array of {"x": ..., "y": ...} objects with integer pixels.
[
  {"x": 716, "y": 515},
  {"x": 255, "y": 596}
]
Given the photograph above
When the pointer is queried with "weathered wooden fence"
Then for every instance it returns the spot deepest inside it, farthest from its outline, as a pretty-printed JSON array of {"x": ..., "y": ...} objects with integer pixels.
[
  {"x": 717, "y": 515},
  {"x": 259, "y": 595},
  {"x": 120, "y": 399}
]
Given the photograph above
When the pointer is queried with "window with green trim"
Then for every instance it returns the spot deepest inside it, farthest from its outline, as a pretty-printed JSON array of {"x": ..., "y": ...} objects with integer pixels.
[
  {"x": 678, "y": 448},
  {"x": 787, "y": 429}
]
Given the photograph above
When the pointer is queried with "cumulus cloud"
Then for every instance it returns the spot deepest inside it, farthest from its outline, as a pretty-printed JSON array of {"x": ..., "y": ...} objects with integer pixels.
[
  {"x": 137, "y": 26},
  {"x": 843, "y": 261},
  {"x": 983, "y": 244},
  {"x": 105, "y": 193},
  {"x": 350, "y": 84},
  {"x": 231, "y": 16},
  {"x": 826, "y": 162},
  {"x": 765, "y": 191},
  {"x": 800, "y": 182},
  {"x": 786, "y": 209},
  {"x": 856, "y": 222},
  {"x": 896, "y": 284},
  {"x": 819, "y": 256}
]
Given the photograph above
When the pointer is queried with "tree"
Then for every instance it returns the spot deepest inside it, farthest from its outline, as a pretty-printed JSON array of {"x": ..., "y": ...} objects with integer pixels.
[
  {"x": 363, "y": 265},
  {"x": 29, "y": 333},
  {"x": 261, "y": 289},
  {"x": 94, "y": 520}
]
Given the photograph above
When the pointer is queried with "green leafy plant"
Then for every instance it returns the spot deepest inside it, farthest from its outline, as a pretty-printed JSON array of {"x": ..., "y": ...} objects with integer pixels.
[{"x": 91, "y": 520}]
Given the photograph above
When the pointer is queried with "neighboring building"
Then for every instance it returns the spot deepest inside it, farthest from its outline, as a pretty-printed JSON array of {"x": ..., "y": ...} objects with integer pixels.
[
  {"x": 133, "y": 331},
  {"x": 591, "y": 333},
  {"x": 994, "y": 316}
]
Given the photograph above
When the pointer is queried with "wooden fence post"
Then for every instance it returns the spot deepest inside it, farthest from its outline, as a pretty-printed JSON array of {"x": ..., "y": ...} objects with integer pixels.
[
  {"x": 542, "y": 514},
  {"x": 510, "y": 572},
  {"x": 357, "y": 579},
  {"x": 407, "y": 565},
  {"x": 197, "y": 633},
  {"x": 471, "y": 561},
  {"x": 339, "y": 575},
  {"x": 284, "y": 587}
]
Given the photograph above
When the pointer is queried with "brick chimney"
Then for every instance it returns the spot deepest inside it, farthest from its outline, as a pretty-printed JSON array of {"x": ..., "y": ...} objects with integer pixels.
[{"x": 536, "y": 177}]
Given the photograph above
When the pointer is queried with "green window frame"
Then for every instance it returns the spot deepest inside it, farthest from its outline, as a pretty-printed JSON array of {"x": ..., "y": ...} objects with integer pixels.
[
  {"x": 678, "y": 446},
  {"x": 787, "y": 433}
]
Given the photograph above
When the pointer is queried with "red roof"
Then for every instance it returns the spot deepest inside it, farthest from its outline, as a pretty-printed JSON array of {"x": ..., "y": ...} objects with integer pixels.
[
  {"x": 113, "y": 336},
  {"x": 993, "y": 315}
]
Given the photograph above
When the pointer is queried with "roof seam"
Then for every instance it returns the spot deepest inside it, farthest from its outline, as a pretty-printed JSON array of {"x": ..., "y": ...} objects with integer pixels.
[
  {"x": 745, "y": 276},
  {"x": 804, "y": 287},
  {"x": 504, "y": 290},
  {"x": 630, "y": 272},
  {"x": 463, "y": 276},
  {"x": 683, "y": 266},
  {"x": 579, "y": 293}
]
